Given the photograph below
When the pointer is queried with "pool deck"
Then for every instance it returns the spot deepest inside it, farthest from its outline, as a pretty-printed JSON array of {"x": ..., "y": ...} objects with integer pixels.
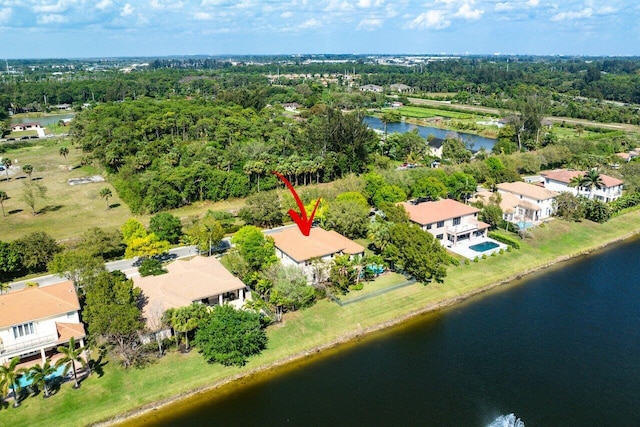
[{"x": 462, "y": 248}]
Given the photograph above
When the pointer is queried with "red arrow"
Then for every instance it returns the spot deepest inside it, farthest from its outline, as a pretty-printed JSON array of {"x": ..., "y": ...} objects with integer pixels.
[{"x": 304, "y": 223}]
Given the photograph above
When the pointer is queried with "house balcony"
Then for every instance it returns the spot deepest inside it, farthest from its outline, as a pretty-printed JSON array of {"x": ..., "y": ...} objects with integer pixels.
[{"x": 27, "y": 345}]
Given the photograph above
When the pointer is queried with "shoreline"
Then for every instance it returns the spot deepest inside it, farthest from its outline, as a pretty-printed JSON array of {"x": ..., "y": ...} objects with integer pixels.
[{"x": 357, "y": 333}]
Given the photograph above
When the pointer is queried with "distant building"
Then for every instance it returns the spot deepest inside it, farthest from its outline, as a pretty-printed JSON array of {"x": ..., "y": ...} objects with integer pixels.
[
  {"x": 17, "y": 127},
  {"x": 435, "y": 147},
  {"x": 371, "y": 88},
  {"x": 400, "y": 88},
  {"x": 559, "y": 180}
]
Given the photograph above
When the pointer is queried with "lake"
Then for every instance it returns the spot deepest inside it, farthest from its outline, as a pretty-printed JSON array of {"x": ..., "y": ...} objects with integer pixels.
[
  {"x": 43, "y": 120},
  {"x": 473, "y": 142},
  {"x": 559, "y": 348}
]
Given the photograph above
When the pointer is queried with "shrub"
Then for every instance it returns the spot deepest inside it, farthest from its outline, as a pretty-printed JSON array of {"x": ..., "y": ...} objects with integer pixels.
[
  {"x": 151, "y": 267},
  {"x": 484, "y": 256},
  {"x": 476, "y": 259},
  {"x": 466, "y": 261},
  {"x": 507, "y": 240}
]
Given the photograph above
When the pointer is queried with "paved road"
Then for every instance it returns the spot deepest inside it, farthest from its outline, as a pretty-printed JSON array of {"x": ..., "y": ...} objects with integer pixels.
[{"x": 124, "y": 265}]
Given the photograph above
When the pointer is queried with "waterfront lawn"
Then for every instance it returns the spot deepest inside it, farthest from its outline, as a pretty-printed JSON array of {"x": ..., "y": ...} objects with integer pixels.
[
  {"x": 425, "y": 112},
  {"x": 303, "y": 332}
]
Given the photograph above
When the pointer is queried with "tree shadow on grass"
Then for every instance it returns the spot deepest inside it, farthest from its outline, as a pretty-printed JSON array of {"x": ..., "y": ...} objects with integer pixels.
[
  {"x": 115, "y": 205},
  {"x": 15, "y": 211},
  {"x": 50, "y": 208}
]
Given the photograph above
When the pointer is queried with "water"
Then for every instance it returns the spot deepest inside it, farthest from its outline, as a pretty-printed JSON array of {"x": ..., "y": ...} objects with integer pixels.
[
  {"x": 561, "y": 348},
  {"x": 43, "y": 120},
  {"x": 473, "y": 142},
  {"x": 484, "y": 246},
  {"x": 24, "y": 381}
]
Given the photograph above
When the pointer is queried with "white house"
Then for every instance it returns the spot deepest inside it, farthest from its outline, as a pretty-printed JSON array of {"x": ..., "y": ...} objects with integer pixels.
[
  {"x": 35, "y": 321},
  {"x": 294, "y": 248},
  {"x": 435, "y": 147},
  {"x": 559, "y": 180},
  {"x": 401, "y": 88},
  {"x": 371, "y": 88},
  {"x": 537, "y": 201},
  {"x": 448, "y": 220}
]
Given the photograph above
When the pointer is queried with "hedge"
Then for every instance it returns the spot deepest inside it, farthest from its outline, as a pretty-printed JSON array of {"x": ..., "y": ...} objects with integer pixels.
[{"x": 507, "y": 240}]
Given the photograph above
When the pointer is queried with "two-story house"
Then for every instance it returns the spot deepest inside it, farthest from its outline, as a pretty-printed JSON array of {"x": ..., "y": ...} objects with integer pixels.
[
  {"x": 534, "y": 203},
  {"x": 448, "y": 220},
  {"x": 559, "y": 180},
  {"x": 294, "y": 248},
  {"x": 35, "y": 321}
]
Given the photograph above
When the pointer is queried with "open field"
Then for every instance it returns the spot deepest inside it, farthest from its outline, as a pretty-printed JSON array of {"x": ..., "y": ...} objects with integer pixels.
[
  {"x": 309, "y": 331},
  {"x": 422, "y": 113}
]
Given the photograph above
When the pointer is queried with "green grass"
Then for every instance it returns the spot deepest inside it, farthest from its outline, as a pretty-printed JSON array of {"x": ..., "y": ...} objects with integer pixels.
[
  {"x": 119, "y": 391},
  {"x": 425, "y": 112}
]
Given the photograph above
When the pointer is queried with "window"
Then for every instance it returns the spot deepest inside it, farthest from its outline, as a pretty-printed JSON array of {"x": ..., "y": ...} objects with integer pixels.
[
  {"x": 440, "y": 224},
  {"x": 24, "y": 330},
  {"x": 456, "y": 221},
  {"x": 429, "y": 226},
  {"x": 440, "y": 236}
]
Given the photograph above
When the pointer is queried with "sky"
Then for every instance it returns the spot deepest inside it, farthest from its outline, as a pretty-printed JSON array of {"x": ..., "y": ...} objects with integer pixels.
[{"x": 125, "y": 28}]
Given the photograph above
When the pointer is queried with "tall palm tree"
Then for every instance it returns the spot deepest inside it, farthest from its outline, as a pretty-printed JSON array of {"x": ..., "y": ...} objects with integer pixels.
[
  {"x": 70, "y": 355},
  {"x": 592, "y": 180},
  {"x": 9, "y": 375},
  {"x": 6, "y": 162},
  {"x": 38, "y": 375},
  {"x": 28, "y": 169},
  {"x": 105, "y": 193},
  {"x": 3, "y": 197},
  {"x": 64, "y": 151}
]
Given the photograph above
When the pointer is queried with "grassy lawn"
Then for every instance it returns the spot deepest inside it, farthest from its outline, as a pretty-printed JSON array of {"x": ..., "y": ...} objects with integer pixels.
[
  {"x": 302, "y": 332},
  {"x": 424, "y": 112}
]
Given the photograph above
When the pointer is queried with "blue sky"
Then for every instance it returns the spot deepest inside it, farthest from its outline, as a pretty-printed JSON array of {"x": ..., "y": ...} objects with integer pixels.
[{"x": 101, "y": 28}]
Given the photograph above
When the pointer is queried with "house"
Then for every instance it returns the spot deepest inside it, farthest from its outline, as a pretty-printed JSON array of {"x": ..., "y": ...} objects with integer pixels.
[
  {"x": 17, "y": 127},
  {"x": 534, "y": 203},
  {"x": 294, "y": 248},
  {"x": 200, "y": 279},
  {"x": 371, "y": 88},
  {"x": 448, "y": 220},
  {"x": 400, "y": 88},
  {"x": 435, "y": 147},
  {"x": 35, "y": 321},
  {"x": 291, "y": 106},
  {"x": 558, "y": 180}
]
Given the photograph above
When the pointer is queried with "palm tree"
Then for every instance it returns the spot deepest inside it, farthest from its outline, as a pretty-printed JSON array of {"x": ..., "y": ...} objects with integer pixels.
[
  {"x": 6, "y": 162},
  {"x": 70, "y": 355},
  {"x": 592, "y": 180},
  {"x": 9, "y": 375},
  {"x": 38, "y": 375},
  {"x": 105, "y": 193},
  {"x": 28, "y": 169},
  {"x": 3, "y": 197},
  {"x": 64, "y": 151},
  {"x": 4, "y": 287}
]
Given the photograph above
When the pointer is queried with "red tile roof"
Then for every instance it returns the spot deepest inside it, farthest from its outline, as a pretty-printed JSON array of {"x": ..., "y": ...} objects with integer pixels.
[
  {"x": 440, "y": 210},
  {"x": 31, "y": 304},
  {"x": 565, "y": 176},
  {"x": 527, "y": 190},
  {"x": 318, "y": 243}
]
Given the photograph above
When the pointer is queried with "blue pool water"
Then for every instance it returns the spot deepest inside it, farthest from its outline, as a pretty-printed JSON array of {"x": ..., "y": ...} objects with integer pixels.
[
  {"x": 524, "y": 224},
  {"x": 23, "y": 381},
  {"x": 484, "y": 246}
]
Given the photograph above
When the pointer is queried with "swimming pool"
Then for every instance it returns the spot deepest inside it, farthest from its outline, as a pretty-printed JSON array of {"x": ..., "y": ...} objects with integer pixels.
[
  {"x": 23, "y": 381},
  {"x": 484, "y": 246},
  {"x": 524, "y": 224}
]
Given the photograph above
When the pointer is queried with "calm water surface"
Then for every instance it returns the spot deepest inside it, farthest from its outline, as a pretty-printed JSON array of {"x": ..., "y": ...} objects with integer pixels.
[
  {"x": 473, "y": 142},
  {"x": 561, "y": 348}
]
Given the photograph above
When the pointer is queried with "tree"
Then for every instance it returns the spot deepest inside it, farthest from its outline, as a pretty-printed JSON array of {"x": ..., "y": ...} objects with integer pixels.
[
  {"x": 105, "y": 243},
  {"x": 146, "y": 246},
  {"x": 6, "y": 162},
  {"x": 263, "y": 210},
  {"x": 77, "y": 265},
  {"x": 9, "y": 374},
  {"x": 229, "y": 336},
  {"x": 132, "y": 229},
  {"x": 105, "y": 193},
  {"x": 151, "y": 267},
  {"x": 3, "y": 197},
  {"x": 186, "y": 319},
  {"x": 4, "y": 287},
  {"x": 416, "y": 252},
  {"x": 569, "y": 207},
  {"x": 111, "y": 312},
  {"x": 289, "y": 287},
  {"x": 597, "y": 211},
  {"x": 454, "y": 150},
  {"x": 36, "y": 250},
  {"x": 156, "y": 322},
  {"x": 591, "y": 180},
  {"x": 257, "y": 250},
  {"x": 342, "y": 274},
  {"x": 64, "y": 152},
  {"x": 31, "y": 192},
  {"x": 430, "y": 187},
  {"x": 205, "y": 234},
  {"x": 28, "y": 169},
  {"x": 71, "y": 355},
  {"x": 39, "y": 374},
  {"x": 349, "y": 218},
  {"x": 166, "y": 226}
]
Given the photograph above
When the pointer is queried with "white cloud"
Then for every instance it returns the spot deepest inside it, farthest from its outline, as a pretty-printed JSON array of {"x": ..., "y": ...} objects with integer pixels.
[
  {"x": 202, "y": 16},
  {"x": 5, "y": 14},
  {"x": 466, "y": 12},
  {"x": 607, "y": 10},
  {"x": 165, "y": 4},
  {"x": 104, "y": 4},
  {"x": 127, "y": 10},
  {"x": 584, "y": 13},
  {"x": 339, "y": 5},
  {"x": 533, "y": 3},
  {"x": 434, "y": 19},
  {"x": 370, "y": 24},
  {"x": 286, "y": 15},
  {"x": 51, "y": 19},
  {"x": 500, "y": 7},
  {"x": 310, "y": 23},
  {"x": 58, "y": 7},
  {"x": 364, "y": 3}
]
